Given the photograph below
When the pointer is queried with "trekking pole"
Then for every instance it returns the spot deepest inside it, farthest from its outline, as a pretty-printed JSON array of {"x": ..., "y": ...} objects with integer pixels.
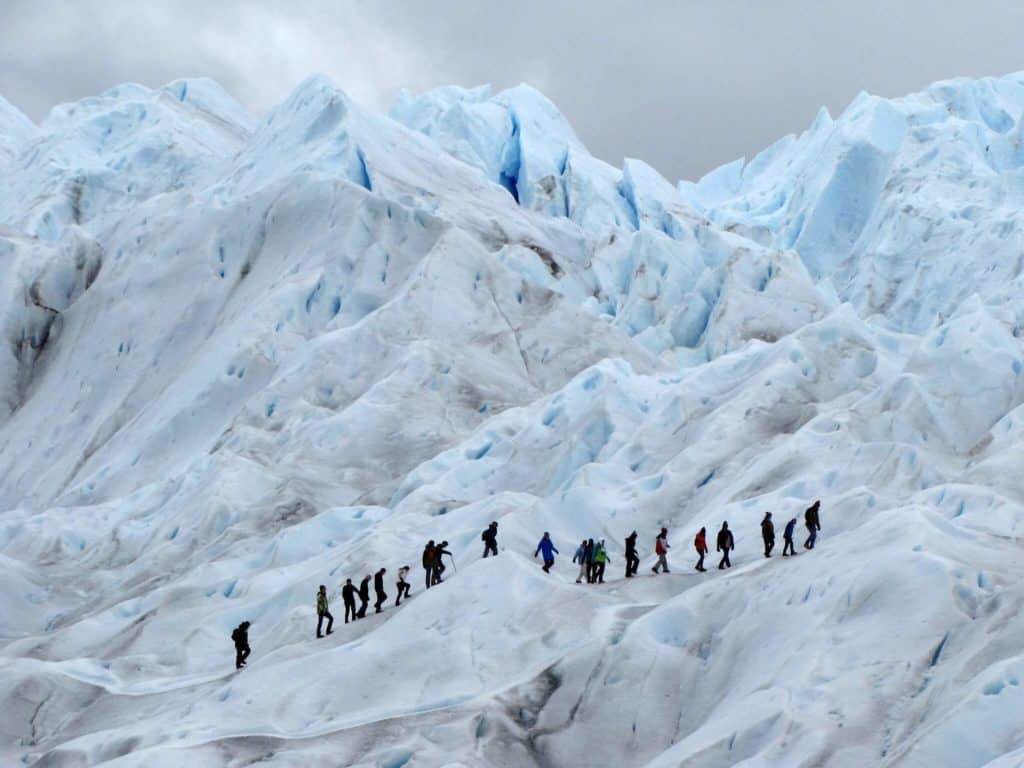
[{"x": 454, "y": 569}]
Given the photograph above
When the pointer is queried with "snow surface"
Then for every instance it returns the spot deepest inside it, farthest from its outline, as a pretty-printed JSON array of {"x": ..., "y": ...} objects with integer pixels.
[{"x": 245, "y": 357}]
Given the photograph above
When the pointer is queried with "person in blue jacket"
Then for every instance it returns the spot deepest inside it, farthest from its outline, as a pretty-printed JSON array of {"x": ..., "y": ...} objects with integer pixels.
[
  {"x": 788, "y": 549},
  {"x": 548, "y": 548}
]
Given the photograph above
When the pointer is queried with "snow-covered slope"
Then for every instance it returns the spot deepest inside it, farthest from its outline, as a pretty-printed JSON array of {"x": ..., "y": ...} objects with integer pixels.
[{"x": 243, "y": 357}]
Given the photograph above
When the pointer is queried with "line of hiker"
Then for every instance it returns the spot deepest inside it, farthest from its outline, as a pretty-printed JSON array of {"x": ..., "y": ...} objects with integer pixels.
[
  {"x": 591, "y": 556},
  {"x": 350, "y": 593}
]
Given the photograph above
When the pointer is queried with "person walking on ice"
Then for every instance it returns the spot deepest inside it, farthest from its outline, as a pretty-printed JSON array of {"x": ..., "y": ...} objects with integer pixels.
[
  {"x": 813, "y": 524},
  {"x": 439, "y": 566},
  {"x": 589, "y": 555},
  {"x": 240, "y": 636},
  {"x": 661, "y": 548},
  {"x": 581, "y": 558},
  {"x": 725, "y": 545},
  {"x": 700, "y": 543},
  {"x": 322, "y": 612},
  {"x": 601, "y": 559},
  {"x": 402, "y": 585},
  {"x": 429, "y": 556},
  {"x": 768, "y": 534},
  {"x": 490, "y": 539},
  {"x": 632, "y": 558},
  {"x": 378, "y": 588},
  {"x": 548, "y": 548},
  {"x": 348, "y": 595},
  {"x": 787, "y": 539},
  {"x": 364, "y": 596}
]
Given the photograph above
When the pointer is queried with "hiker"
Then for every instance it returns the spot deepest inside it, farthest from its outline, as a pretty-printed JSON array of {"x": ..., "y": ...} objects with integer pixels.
[
  {"x": 700, "y": 543},
  {"x": 632, "y": 558},
  {"x": 787, "y": 539},
  {"x": 364, "y": 596},
  {"x": 546, "y": 546},
  {"x": 661, "y": 548},
  {"x": 725, "y": 545},
  {"x": 490, "y": 540},
  {"x": 581, "y": 558},
  {"x": 322, "y": 612},
  {"x": 378, "y": 588},
  {"x": 348, "y": 594},
  {"x": 768, "y": 534},
  {"x": 813, "y": 524},
  {"x": 600, "y": 560},
  {"x": 429, "y": 553},
  {"x": 241, "y": 637},
  {"x": 439, "y": 567},
  {"x": 589, "y": 555},
  {"x": 402, "y": 585}
]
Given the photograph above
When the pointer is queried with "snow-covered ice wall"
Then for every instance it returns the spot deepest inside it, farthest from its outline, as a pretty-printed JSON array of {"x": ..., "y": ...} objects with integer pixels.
[{"x": 241, "y": 358}]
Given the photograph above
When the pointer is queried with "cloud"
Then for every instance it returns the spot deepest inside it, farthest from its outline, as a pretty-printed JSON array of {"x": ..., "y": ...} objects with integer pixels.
[{"x": 685, "y": 85}]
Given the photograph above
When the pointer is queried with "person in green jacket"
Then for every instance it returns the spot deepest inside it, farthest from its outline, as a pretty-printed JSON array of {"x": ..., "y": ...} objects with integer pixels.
[
  {"x": 322, "y": 612},
  {"x": 601, "y": 559}
]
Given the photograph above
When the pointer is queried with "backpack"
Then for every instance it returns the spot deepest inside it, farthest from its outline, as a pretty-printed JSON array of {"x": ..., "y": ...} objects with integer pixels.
[
  {"x": 236, "y": 635},
  {"x": 659, "y": 546},
  {"x": 483, "y": 536}
]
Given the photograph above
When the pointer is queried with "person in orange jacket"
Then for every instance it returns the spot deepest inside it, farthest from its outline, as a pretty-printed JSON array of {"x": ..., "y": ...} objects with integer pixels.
[{"x": 700, "y": 543}]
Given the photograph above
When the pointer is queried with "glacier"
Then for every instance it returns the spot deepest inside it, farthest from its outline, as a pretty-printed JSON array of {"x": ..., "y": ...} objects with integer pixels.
[{"x": 244, "y": 356}]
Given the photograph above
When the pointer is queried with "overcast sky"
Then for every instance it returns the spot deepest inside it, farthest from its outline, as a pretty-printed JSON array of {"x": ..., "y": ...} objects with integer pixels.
[{"x": 684, "y": 85}]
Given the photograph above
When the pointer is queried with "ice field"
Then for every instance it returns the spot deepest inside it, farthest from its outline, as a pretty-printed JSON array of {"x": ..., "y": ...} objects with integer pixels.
[{"x": 244, "y": 356}]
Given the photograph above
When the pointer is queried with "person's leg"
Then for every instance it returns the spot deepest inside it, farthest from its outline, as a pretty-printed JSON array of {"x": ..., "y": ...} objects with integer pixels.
[
  {"x": 583, "y": 572},
  {"x": 721, "y": 563},
  {"x": 330, "y": 622},
  {"x": 728, "y": 562},
  {"x": 238, "y": 658},
  {"x": 700, "y": 562},
  {"x": 319, "y": 624}
]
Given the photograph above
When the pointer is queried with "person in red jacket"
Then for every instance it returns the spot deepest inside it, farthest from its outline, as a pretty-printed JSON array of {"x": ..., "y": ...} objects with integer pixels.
[
  {"x": 700, "y": 543},
  {"x": 661, "y": 548}
]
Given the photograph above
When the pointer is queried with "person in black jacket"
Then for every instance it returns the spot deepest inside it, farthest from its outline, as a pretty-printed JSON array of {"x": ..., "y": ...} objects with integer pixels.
[
  {"x": 348, "y": 594},
  {"x": 240, "y": 635},
  {"x": 813, "y": 524},
  {"x": 632, "y": 558},
  {"x": 364, "y": 596},
  {"x": 429, "y": 557},
  {"x": 490, "y": 539},
  {"x": 768, "y": 534},
  {"x": 378, "y": 587},
  {"x": 439, "y": 566},
  {"x": 589, "y": 556},
  {"x": 725, "y": 545}
]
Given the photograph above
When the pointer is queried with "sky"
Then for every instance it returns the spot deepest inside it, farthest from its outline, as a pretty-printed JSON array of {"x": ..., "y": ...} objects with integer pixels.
[{"x": 684, "y": 84}]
